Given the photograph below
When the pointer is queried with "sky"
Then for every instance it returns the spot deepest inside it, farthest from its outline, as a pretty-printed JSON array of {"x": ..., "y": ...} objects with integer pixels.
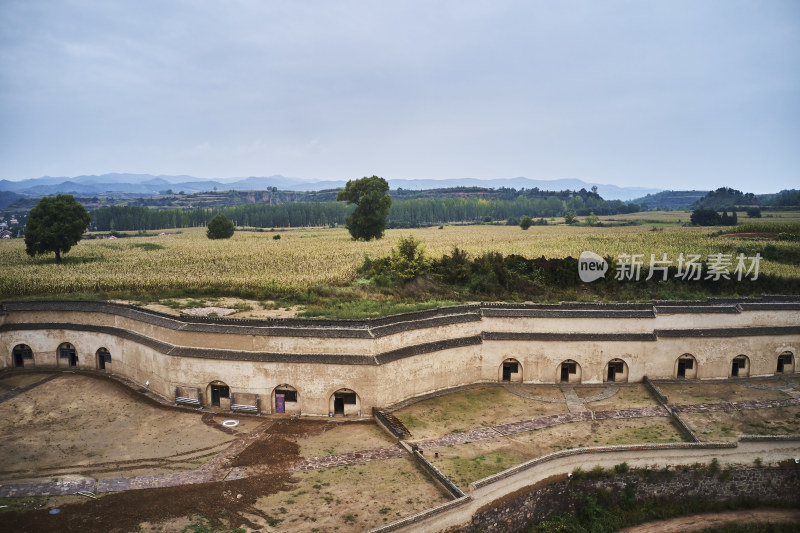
[{"x": 671, "y": 94}]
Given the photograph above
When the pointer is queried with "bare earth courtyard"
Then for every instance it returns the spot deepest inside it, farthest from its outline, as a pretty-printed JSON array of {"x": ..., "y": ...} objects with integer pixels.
[{"x": 154, "y": 467}]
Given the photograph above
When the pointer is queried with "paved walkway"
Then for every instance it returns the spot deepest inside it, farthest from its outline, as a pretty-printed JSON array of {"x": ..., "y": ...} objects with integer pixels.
[{"x": 219, "y": 469}]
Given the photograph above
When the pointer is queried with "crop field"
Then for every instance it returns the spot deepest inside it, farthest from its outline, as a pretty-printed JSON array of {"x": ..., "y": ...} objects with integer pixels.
[{"x": 257, "y": 265}]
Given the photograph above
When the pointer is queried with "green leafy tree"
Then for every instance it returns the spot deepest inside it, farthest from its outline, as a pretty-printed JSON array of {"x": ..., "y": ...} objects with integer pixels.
[
  {"x": 754, "y": 212},
  {"x": 55, "y": 225},
  {"x": 525, "y": 222},
  {"x": 368, "y": 220},
  {"x": 592, "y": 219},
  {"x": 570, "y": 217},
  {"x": 219, "y": 227}
]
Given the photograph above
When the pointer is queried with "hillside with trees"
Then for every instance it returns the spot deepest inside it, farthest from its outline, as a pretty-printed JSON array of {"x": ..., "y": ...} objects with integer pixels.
[
  {"x": 464, "y": 208},
  {"x": 669, "y": 200},
  {"x": 725, "y": 198}
]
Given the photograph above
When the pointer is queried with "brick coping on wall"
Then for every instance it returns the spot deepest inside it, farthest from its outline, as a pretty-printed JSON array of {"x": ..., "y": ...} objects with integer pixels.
[{"x": 378, "y": 327}]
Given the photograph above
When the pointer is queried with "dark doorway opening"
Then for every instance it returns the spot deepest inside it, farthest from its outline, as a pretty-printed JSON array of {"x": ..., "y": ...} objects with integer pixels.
[
  {"x": 67, "y": 351},
  {"x": 508, "y": 369},
  {"x": 567, "y": 369},
  {"x": 739, "y": 363},
  {"x": 340, "y": 399},
  {"x": 217, "y": 392},
  {"x": 103, "y": 357},
  {"x": 784, "y": 360},
  {"x": 614, "y": 368},
  {"x": 22, "y": 352},
  {"x": 684, "y": 365}
]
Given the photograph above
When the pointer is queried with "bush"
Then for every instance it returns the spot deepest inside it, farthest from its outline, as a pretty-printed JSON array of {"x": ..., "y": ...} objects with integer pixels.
[
  {"x": 705, "y": 217},
  {"x": 219, "y": 227},
  {"x": 408, "y": 260},
  {"x": 754, "y": 212},
  {"x": 621, "y": 468},
  {"x": 526, "y": 222}
]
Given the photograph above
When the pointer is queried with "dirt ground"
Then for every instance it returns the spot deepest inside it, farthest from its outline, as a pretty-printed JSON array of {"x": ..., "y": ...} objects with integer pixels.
[
  {"x": 471, "y": 409},
  {"x": 727, "y": 425},
  {"x": 336, "y": 438},
  {"x": 106, "y": 429},
  {"x": 629, "y": 396},
  {"x": 466, "y": 463},
  {"x": 699, "y": 522},
  {"x": 13, "y": 381},
  {"x": 352, "y": 498},
  {"x": 229, "y": 307},
  {"x": 546, "y": 391},
  {"x": 89, "y": 425},
  {"x": 705, "y": 392}
]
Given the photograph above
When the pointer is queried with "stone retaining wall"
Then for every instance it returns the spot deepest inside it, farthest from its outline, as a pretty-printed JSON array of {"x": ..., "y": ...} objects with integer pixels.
[{"x": 519, "y": 511}]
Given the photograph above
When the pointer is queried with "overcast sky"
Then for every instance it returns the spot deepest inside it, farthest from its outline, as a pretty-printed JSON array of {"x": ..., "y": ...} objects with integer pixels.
[{"x": 672, "y": 94}]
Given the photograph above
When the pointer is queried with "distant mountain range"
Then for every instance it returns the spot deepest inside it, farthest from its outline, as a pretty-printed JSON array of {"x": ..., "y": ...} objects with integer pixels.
[{"x": 148, "y": 184}]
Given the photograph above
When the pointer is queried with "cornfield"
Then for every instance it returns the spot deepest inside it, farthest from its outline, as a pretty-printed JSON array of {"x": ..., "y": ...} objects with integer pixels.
[{"x": 255, "y": 263}]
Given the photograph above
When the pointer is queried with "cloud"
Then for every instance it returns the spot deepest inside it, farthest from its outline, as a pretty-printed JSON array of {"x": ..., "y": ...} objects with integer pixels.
[{"x": 680, "y": 93}]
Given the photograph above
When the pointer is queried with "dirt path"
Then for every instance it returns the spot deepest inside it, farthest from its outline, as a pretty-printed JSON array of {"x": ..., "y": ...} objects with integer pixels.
[{"x": 698, "y": 522}]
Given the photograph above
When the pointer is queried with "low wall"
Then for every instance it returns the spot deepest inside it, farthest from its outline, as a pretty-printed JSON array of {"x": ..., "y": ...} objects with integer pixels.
[{"x": 519, "y": 511}]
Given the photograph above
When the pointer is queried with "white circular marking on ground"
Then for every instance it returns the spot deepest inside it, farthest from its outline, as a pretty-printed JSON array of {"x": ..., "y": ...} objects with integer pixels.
[{"x": 230, "y": 423}]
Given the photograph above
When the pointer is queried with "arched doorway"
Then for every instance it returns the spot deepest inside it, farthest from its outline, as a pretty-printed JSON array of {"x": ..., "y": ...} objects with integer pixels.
[
  {"x": 103, "y": 358},
  {"x": 285, "y": 399},
  {"x": 67, "y": 354},
  {"x": 20, "y": 354},
  {"x": 569, "y": 372},
  {"x": 219, "y": 395},
  {"x": 740, "y": 366},
  {"x": 616, "y": 371},
  {"x": 785, "y": 363},
  {"x": 345, "y": 402},
  {"x": 511, "y": 371},
  {"x": 686, "y": 367}
]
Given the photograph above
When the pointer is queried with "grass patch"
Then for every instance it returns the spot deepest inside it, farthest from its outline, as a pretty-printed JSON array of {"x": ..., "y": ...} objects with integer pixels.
[
  {"x": 369, "y": 308},
  {"x": 644, "y": 433},
  {"x": 463, "y": 471}
]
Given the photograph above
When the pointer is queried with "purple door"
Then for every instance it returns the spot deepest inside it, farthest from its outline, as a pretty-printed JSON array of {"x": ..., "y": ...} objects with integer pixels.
[{"x": 279, "y": 405}]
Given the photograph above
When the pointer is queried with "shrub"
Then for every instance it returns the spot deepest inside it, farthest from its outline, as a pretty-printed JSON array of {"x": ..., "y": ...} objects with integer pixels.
[
  {"x": 408, "y": 260},
  {"x": 526, "y": 222},
  {"x": 621, "y": 468},
  {"x": 754, "y": 212}
]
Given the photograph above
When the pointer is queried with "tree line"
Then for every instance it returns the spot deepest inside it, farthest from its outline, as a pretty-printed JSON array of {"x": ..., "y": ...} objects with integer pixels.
[{"x": 403, "y": 213}]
